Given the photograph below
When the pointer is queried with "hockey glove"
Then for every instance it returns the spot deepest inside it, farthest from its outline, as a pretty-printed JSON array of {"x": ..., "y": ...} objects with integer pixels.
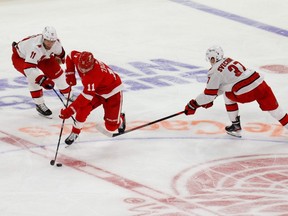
[
  {"x": 45, "y": 82},
  {"x": 59, "y": 60},
  {"x": 70, "y": 78},
  {"x": 191, "y": 107},
  {"x": 208, "y": 105},
  {"x": 66, "y": 113}
]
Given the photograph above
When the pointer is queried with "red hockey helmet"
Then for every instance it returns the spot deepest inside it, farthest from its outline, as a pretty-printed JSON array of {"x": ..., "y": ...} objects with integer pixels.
[{"x": 86, "y": 62}]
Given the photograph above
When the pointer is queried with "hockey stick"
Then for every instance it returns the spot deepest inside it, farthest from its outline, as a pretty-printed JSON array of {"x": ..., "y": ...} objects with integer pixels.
[
  {"x": 52, "y": 162},
  {"x": 103, "y": 131},
  {"x": 65, "y": 105}
]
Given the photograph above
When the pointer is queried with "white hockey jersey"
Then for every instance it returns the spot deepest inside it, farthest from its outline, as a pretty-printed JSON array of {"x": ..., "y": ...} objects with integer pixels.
[
  {"x": 32, "y": 50},
  {"x": 228, "y": 75}
]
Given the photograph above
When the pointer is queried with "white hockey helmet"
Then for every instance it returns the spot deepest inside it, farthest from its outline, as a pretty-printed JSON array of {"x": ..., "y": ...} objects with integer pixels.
[
  {"x": 215, "y": 52},
  {"x": 49, "y": 33}
]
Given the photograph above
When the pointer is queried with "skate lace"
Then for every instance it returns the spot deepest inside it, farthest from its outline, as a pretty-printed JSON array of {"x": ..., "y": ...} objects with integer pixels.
[
  {"x": 43, "y": 107},
  {"x": 72, "y": 136}
]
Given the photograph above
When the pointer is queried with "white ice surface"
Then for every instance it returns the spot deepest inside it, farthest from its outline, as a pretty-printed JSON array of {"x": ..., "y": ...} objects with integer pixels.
[{"x": 177, "y": 167}]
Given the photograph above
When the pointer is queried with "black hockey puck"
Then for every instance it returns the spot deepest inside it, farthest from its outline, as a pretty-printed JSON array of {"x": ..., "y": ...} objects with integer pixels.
[
  {"x": 52, "y": 162},
  {"x": 59, "y": 165}
]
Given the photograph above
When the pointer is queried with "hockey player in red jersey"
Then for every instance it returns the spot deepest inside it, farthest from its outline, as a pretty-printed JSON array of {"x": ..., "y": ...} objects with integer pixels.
[
  {"x": 238, "y": 84},
  {"x": 101, "y": 86},
  {"x": 38, "y": 58}
]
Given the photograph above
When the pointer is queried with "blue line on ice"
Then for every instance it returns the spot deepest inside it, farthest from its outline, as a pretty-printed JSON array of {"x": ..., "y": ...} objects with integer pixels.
[{"x": 233, "y": 17}]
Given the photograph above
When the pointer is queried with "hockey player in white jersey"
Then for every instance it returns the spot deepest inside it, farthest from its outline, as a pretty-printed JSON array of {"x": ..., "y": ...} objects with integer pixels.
[
  {"x": 38, "y": 58},
  {"x": 238, "y": 84}
]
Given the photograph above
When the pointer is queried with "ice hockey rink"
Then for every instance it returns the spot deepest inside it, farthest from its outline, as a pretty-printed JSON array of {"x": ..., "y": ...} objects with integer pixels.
[{"x": 184, "y": 166}]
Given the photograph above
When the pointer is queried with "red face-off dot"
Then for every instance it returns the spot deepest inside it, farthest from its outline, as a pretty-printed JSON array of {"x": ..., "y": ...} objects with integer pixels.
[{"x": 279, "y": 69}]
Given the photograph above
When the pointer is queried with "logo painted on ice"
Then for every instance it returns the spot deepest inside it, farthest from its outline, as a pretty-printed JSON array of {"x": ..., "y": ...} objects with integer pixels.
[
  {"x": 161, "y": 73},
  {"x": 243, "y": 185},
  {"x": 143, "y": 75}
]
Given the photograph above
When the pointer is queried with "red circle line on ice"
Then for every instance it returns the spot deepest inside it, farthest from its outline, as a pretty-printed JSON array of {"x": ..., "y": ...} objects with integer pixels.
[{"x": 257, "y": 183}]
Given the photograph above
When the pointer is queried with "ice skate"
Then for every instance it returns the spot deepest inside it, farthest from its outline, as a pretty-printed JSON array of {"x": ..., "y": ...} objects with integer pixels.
[
  {"x": 235, "y": 128},
  {"x": 122, "y": 127},
  {"x": 71, "y": 138},
  {"x": 44, "y": 111}
]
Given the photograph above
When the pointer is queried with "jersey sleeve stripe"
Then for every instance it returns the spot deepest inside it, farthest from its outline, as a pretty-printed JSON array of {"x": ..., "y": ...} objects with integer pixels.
[{"x": 212, "y": 92}]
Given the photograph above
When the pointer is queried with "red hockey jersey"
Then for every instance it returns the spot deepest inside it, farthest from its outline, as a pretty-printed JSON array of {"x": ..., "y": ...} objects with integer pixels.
[{"x": 101, "y": 80}]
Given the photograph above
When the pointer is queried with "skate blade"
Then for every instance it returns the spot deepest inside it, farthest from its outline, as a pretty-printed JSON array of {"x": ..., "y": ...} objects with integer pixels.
[
  {"x": 48, "y": 117},
  {"x": 235, "y": 134}
]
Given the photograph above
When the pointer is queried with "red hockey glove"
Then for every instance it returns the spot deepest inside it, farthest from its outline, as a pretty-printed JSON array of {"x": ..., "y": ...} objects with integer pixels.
[
  {"x": 191, "y": 107},
  {"x": 66, "y": 113},
  {"x": 45, "y": 82},
  {"x": 60, "y": 60},
  {"x": 208, "y": 105},
  {"x": 70, "y": 78}
]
